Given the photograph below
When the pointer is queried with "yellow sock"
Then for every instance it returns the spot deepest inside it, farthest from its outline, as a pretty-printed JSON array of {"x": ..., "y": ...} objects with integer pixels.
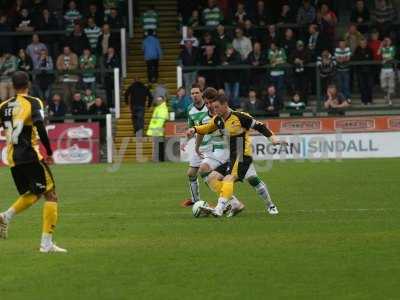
[
  {"x": 227, "y": 190},
  {"x": 50, "y": 216},
  {"x": 215, "y": 185},
  {"x": 24, "y": 202}
]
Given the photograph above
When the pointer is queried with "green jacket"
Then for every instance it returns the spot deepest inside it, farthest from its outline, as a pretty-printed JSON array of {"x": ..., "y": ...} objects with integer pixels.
[{"x": 158, "y": 119}]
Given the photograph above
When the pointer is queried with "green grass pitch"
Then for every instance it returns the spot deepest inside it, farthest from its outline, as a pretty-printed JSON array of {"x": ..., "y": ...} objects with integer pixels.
[{"x": 337, "y": 236}]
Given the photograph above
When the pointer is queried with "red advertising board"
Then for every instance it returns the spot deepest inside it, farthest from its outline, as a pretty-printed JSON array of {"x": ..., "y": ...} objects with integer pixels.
[
  {"x": 314, "y": 125},
  {"x": 72, "y": 143}
]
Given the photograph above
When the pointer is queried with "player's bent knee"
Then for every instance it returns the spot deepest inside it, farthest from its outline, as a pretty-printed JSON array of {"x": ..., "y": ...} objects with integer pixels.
[{"x": 51, "y": 196}]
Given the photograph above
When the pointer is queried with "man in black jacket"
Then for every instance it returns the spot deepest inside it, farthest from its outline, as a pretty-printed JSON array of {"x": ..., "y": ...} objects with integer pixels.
[
  {"x": 188, "y": 57},
  {"x": 364, "y": 72},
  {"x": 136, "y": 96}
]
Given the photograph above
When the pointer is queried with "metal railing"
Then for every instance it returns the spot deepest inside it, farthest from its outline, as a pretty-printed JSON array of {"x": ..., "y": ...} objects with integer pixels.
[{"x": 314, "y": 84}]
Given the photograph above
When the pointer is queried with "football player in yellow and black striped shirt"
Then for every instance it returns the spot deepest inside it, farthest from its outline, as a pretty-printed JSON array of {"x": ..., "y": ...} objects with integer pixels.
[
  {"x": 22, "y": 117},
  {"x": 235, "y": 125}
]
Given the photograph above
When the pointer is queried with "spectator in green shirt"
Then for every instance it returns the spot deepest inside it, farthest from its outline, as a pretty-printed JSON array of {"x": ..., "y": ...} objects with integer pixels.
[{"x": 87, "y": 64}]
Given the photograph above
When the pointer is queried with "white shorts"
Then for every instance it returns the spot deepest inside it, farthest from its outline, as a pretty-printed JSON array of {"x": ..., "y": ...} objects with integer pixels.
[{"x": 212, "y": 158}]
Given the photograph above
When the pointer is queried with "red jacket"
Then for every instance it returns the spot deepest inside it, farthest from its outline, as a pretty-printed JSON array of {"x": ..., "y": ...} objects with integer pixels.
[{"x": 374, "y": 46}]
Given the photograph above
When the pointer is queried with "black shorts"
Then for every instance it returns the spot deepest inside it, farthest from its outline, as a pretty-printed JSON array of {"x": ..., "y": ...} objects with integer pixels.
[
  {"x": 236, "y": 167},
  {"x": 35, "y": 178}
]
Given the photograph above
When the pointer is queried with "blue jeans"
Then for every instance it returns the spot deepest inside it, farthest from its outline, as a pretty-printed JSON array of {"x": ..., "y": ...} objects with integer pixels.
[
  {"x": 343, "y": 81},
  {"x": 232, "y": 92}
]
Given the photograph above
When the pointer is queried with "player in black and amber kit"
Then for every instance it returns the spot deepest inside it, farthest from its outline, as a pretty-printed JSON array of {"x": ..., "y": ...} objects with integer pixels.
[
  {"x": 22, "y": 117},
  {"x": 237, "y": 126}
]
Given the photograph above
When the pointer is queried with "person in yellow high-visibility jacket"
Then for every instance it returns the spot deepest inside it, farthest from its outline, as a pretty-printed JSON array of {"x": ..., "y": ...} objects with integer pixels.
[{"x": 156, "y": 128}]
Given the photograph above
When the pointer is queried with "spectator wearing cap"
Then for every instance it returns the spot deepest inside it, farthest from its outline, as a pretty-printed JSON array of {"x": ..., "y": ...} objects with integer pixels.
[
  {"x": 212, "y": 15},
  {"x": 277, "y": 59},
  {"x": 232, "y": 77},
  {"x": 242, "y": 44},
  {"x": 360, "y": 16},
  {"x": 71, "y": 16},
  {"x": 299, "y": 58},
  {"x": 150, "y": 20},
  {"x": 152, "y": 54},
  {"x": 273, "y": 102},
  {"x": 188, "y": 58},
  {"x": 335, "y": 102},
  {"x": 190, "y": 37}
]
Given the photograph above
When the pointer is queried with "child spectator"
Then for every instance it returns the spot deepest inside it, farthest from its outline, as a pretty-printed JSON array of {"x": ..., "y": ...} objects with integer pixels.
[
  {"x": 88, "y": 97},
  {"x": 296, "y": 105},
  {"x": 387, "y": 77},
  {"x": 71, "y": 16},
  {"x": 180, "y": 103}
]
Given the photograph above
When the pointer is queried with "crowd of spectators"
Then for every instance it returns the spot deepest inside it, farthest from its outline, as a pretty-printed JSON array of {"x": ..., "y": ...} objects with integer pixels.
[
  {"x": 284, "y": 48},
  {"x": 69, "y": 66}
]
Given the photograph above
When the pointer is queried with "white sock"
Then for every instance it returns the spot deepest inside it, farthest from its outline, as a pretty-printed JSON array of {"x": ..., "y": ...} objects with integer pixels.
[
  {"x": 194, "y": 189},
  {"x": 222, "y": 203},
  {"x": 235, "y": 203},
  {"x": 9, "y": 214},
  {"x": 262, "y": 191},
  {"x": 47, "y": 240}
]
